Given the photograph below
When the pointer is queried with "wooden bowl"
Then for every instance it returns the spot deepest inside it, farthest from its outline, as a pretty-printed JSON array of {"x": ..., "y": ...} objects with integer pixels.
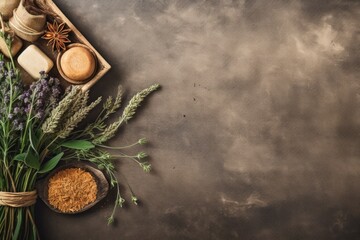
[
  {"x": 63, "y": 75},
  {"x": 99, "y": 177}
]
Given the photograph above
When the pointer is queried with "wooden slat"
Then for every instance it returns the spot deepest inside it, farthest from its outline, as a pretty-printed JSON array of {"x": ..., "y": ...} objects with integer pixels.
[{"x": 103, "y": 65}]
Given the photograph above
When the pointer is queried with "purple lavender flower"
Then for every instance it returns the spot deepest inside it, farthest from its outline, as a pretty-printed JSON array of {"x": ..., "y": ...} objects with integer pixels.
[
  {"x": 46, "y": 88},
  {"x": 20, "y": 126},
  {"x": 41, "y": 94},
  {"x": 21, "y": 97},
  {"x": 6, "y": 98},
  {"x": 39, "y": 102},
  {"x": 41, "y": 97},
  {"x": 39, "y": 115},
  {"x": 11, "y": 73},
  {"x": 17, "y": 110},
  {"x": 55, "y": 92},
  {"x": 43, "y": 82}
]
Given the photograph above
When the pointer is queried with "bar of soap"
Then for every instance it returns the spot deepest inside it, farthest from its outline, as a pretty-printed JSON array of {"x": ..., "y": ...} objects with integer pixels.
[
  {"x": 33, "y": 61},
  {"x": 78, "y": 63}
]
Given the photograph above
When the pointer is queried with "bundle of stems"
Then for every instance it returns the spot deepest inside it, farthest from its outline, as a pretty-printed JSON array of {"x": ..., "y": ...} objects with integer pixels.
[{"x": 15, "y": 176}]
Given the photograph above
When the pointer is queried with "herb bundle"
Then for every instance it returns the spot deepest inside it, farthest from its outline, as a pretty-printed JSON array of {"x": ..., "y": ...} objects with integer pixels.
[{"x": 39, "y": 128}]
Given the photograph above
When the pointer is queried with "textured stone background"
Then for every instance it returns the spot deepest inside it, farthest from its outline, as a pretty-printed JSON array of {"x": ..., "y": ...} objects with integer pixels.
[{"x": 256, "y": 131}]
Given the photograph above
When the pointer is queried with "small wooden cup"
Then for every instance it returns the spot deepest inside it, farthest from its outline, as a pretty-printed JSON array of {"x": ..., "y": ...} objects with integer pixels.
[{"x": 58, "y": 64}]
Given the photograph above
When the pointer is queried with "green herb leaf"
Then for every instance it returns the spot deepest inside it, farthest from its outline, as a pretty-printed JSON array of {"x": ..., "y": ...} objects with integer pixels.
[
  {"x": 78, "y": 144},
  {"x": 51, "y": 164},
  {"x": 32, "y": 159},
  {"x": 20, "y": 157},
  {"x": 33, "y": 139}
]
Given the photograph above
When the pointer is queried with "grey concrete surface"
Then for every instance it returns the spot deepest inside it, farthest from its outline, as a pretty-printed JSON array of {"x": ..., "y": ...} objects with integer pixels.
[{"x": 256, "y": 131}]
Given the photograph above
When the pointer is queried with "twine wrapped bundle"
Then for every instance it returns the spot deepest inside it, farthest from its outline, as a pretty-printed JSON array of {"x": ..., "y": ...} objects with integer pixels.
[
  {"x": 26, "y": 25},
  {"x": 18, "y": 199},
  {"x": 7, "y": 7}
]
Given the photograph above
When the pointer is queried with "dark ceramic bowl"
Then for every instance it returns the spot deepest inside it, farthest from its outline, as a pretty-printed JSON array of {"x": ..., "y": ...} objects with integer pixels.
[{"x": 101, "y": 182}]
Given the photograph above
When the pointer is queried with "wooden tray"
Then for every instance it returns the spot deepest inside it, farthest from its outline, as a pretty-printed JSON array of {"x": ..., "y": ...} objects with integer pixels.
[{"x": 76, "y": 37}]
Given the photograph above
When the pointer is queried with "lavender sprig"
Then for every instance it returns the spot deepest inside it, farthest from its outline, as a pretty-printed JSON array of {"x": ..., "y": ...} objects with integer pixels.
[{"x": 38, "y": 100}]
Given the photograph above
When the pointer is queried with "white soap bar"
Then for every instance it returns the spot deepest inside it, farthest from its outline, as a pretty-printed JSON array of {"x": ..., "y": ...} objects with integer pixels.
[{"x": 33, "y": 61}]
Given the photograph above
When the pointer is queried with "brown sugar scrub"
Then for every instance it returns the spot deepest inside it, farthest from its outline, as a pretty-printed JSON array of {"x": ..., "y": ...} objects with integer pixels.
[{"x": 71, "y": 189}]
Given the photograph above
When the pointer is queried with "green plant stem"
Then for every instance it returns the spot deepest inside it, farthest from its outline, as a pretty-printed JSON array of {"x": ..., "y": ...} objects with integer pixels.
[
  {"x": 43, "y": 155},
  {"x": 10, "y": 176},
  {"x": 117, "y": 148},
  {"x": 119, "y": 200},
  {"x": 8, "y": 46},
  {"x": 127, "y": 183},
  {"x": 28, "y": 120},
  {"x": 126, "y": 156}
]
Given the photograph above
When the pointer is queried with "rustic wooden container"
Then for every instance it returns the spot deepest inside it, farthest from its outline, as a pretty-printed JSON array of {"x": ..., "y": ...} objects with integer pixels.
[
  {"x": 103, "y": 65},
  {"x": 76, "y": 37}
]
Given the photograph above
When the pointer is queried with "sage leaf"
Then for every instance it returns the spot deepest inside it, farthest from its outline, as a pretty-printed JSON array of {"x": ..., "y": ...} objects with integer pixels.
[
  {"x": 34, "y": 141},
  {"x": 32, "y": 159},
  {"x": 78, "y": 144},
  {"x": 20, "y": 157},
  {"x": 51, "y": 164}
]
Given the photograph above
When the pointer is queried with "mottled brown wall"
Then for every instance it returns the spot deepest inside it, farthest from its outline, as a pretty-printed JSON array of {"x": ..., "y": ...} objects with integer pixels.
[{"x": 256, "y": 131}]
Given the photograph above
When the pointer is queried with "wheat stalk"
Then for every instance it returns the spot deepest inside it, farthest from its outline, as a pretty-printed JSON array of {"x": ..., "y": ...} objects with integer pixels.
[
  {"x": 128, "y": 113},
  {"x": 52, "y": 122},
  {"x": 75, "y": 119}
]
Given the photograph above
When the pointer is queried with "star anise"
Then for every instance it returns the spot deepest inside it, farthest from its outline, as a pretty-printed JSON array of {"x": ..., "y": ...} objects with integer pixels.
[{"x": 57, "y": 35}]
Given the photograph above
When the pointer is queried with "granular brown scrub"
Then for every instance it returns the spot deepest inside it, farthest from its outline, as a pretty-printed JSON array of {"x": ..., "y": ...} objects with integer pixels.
[{"x": 71, "y": 189}]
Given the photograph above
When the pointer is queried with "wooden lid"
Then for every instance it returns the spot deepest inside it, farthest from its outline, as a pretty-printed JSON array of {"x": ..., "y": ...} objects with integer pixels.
[{"x": 78, "y": 63}]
